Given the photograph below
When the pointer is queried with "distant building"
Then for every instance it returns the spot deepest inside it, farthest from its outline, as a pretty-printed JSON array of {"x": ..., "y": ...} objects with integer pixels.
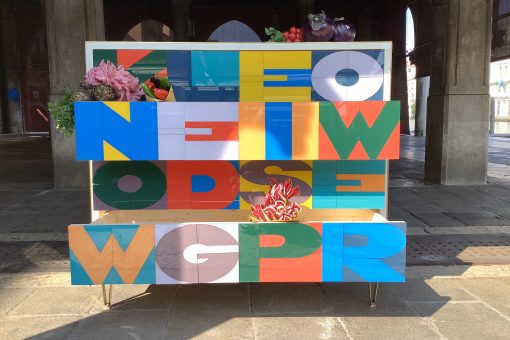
[
  {"x": 500, "y": 89},
  {"x": 411, "y": 88}
]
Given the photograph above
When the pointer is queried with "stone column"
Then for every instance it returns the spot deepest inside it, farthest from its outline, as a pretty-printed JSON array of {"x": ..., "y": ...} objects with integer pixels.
[
  {"x": 458, "y": 104},
  {"x": 69, "y": 24},
  {"x": 180, "y": 19},
  {"x": 11, "y": 115}
]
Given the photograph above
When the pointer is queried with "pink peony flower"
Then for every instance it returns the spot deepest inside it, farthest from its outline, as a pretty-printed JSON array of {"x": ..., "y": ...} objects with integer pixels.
[{"x": 126, "y": 86}]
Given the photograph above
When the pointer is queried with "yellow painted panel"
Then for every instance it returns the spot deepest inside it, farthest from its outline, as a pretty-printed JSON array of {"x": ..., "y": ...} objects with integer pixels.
[
  {"x": 121, "y": 108},
  {"x": 305, "y": 130},
  {"x": 112, "y": 154},
  {"x": 287, "y": 94},
  {"x": 247, "y": 186},
  {"x": 287, "y": 59},
  {"x": 251, "y": 92},
  {"x": 275, "y": 77},
  {"x": 251, "y": 62},
  {"x": 251, "y": 78},
  {"x": 252, "y": 132}
]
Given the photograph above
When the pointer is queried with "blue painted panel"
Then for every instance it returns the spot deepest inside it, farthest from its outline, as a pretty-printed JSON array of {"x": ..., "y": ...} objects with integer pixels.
[
  {"x": 179, "y": 67},
  {"x": 295, "y": 78},
  {"x": 215, "y": 68},
  {"x": 367, "y": 247},
  {"x": 144, "y": 131},
  {"x": 113, "y": 277},
  {"x": 124, "y": 234},
  {"x": 324, "y": 173},
  {"x": 235, "y": 205},
  {"x": 332, "y": 252},
  {"x": 382, "y": 240},
  {"x": 89, "y": 130},
  {"x": 78, "y": 275},
  {"x": 136, "y": 139},
  {"x": 373, "y": 270},
  {"x": 324, "y": 197},
  {"x": 349, "y": 182},
  {"x": 202, "y": 183},
  {"x": 99, "y": 234},
  {"x": 147, "y": 273},
  {"x": 206, "y": 94},
  {"x": 368, "y": 200},
  {"x": 278, "y": 131}
]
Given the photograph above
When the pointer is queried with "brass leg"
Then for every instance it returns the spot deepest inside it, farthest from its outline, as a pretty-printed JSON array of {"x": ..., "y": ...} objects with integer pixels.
[
  {"x": 107, "y": 301},
  {"x": 110, "y": 297},
  {"x": 372, "y": 293}
]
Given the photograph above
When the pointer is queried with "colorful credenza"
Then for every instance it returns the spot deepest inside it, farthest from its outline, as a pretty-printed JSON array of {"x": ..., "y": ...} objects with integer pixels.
[{"x": 172, "y": 182}]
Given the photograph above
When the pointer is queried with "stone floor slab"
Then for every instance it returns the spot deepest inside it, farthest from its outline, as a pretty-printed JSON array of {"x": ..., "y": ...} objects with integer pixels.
[
  {"x": 37, "y": 327},
  {"x": 280, "y": 299},
  {"x": 218, "y": 327},
  {"x": 143, "y": 297},
  {"x": 11, "y": 297},
  {"x": 381, "y": 327},
  {"x": 298, "y": 327},
  {"x": 122, "y": 325},
  {"x": 431, "y": 290},
  {"x": 465, "y": 320},
  {"x": 63, "y": 301}
]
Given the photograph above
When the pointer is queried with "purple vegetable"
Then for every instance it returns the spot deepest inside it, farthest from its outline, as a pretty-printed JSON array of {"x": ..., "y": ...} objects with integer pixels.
[
  {"x": 344, "y": 30},
  {"x": 318, "y": 27}
]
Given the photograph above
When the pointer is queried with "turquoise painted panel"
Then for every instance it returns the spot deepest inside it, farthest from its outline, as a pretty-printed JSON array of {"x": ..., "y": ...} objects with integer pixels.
[{"x": 215, "y": 68}]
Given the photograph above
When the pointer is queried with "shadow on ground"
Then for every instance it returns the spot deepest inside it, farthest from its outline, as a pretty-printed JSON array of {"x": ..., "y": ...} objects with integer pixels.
[{"x": 238, "y": 310}]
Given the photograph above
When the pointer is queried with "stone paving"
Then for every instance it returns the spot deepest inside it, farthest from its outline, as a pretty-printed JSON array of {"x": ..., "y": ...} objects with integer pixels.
[
  {"x": 449, "y": 226},
  {"x": 455, "y": 302}
]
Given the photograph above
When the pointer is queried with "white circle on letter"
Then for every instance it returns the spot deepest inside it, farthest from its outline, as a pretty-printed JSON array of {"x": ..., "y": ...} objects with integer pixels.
[{"x": 371, "y": 76}]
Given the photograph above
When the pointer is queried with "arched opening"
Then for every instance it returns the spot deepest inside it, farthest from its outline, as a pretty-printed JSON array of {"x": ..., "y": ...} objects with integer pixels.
[
  {"x": 411, "y": 71},
  {"x": 234, "y": 31},
  {"x": 149, "y": 30}
]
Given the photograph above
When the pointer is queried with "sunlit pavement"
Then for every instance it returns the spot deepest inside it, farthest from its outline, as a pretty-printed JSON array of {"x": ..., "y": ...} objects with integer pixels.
[
  {"x": 458, "y": 276},
  {"x": 455, "y": 302}
]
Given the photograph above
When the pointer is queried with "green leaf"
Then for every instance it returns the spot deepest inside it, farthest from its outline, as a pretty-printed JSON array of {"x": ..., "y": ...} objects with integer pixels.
[
  {"x": 63, "y": 113},
  {"x": 147, "y": 90},
  {"x": 164, "y": 83}
]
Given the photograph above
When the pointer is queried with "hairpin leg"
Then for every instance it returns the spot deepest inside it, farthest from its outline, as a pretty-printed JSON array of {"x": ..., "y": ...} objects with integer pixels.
[
  {"x": 372, "y": 293},
  {"x": 107, "y": 300}
]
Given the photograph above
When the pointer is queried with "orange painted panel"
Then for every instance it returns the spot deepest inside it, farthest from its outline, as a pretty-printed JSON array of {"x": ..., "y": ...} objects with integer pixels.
[
  {"x": 303, "y": 269},
  {"x": 305, "y": 130},
  {"x": 369, "y": 183}
]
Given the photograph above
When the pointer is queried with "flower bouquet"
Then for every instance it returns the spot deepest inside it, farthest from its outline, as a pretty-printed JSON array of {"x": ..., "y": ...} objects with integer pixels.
[
  {"x": 105, "y": 82},
  {"x": 277, "y": 205}
]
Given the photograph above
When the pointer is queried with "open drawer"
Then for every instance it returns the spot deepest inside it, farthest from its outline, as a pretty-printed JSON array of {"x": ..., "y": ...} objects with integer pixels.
[{"x": 212, "y": 246}]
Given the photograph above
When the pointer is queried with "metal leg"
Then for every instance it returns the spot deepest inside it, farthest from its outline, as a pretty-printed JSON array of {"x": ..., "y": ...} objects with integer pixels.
[
  {"x": 107, "y": 301},
  {"x": 372, "y": 293}
]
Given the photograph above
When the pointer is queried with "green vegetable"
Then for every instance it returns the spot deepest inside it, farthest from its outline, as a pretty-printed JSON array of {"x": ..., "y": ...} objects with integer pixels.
[
  {"x": 164, "y": 83},
  {"x": 147, "y": 90},
  {"x": 274, "y": 34},
  {"x": 63, "y": 113}
]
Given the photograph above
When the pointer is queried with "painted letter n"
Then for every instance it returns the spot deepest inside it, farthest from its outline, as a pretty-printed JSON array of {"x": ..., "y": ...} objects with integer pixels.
[{"x": 116, "y": 131}]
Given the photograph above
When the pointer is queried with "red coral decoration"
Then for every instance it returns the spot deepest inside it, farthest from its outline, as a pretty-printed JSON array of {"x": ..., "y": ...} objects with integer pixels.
[{"x": 277, "y": 205}]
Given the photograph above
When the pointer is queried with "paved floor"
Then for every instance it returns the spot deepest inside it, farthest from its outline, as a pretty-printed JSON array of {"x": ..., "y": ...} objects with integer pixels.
[
  {"x": 455, "y": 302},
  {"x": 448, "y": 227}
]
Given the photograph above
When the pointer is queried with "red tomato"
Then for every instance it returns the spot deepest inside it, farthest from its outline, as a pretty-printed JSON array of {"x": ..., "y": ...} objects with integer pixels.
[
  {"x": 160, "y": 93},
  {"x": 162, "y": 73},
  {"x": 149, "y": 84}
]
